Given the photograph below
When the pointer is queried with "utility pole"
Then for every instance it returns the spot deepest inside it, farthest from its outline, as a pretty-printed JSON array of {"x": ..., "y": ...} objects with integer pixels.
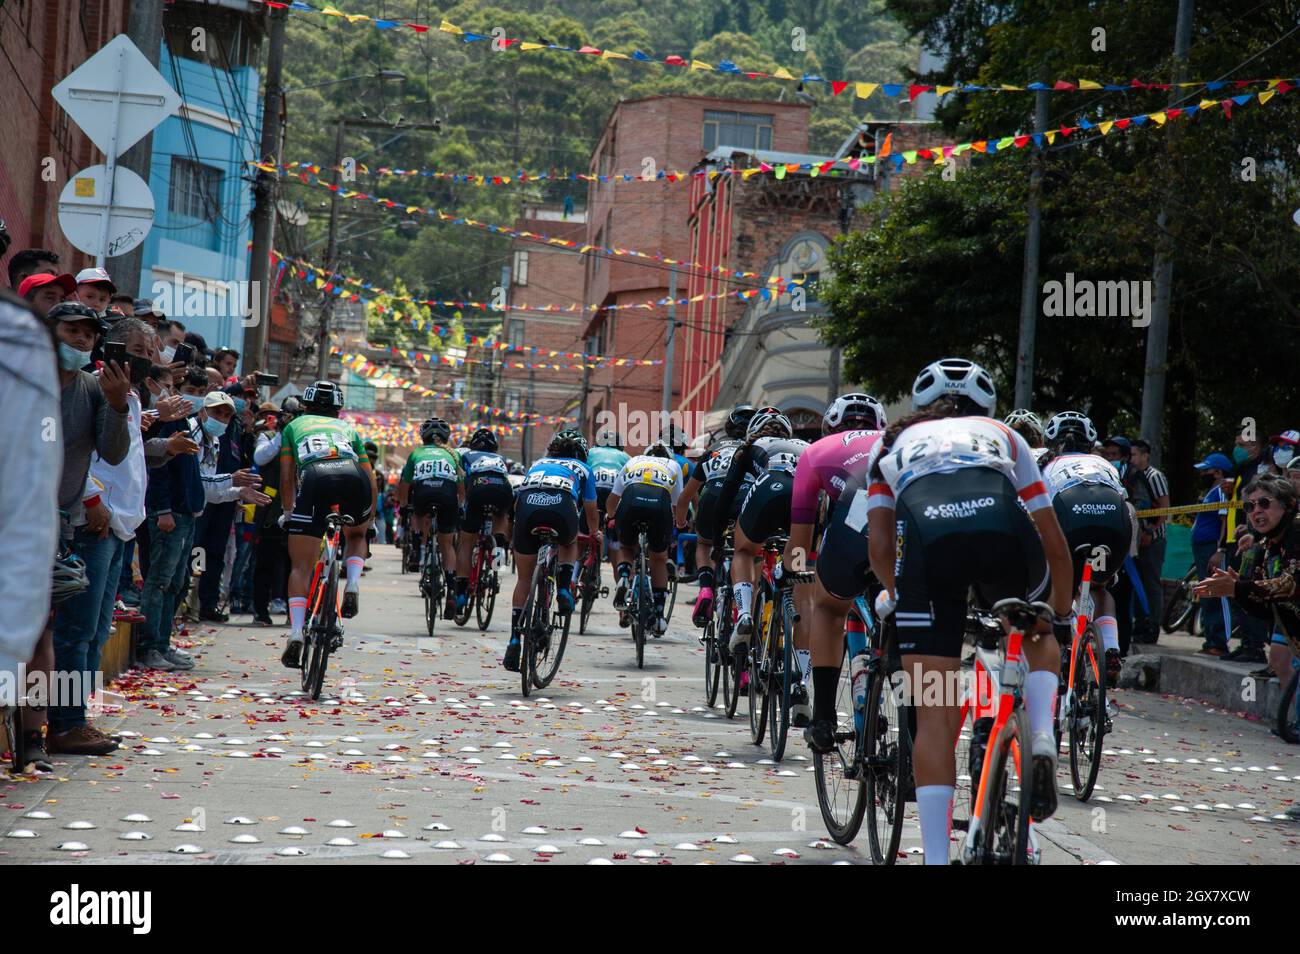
[
  {"x": 672, "y": 340},
  {"x": 1153, "y": 385},
  {"x": 1024, "y": 395},
  {"x": 586, "y": 384},
  {"x": 144, "y": 26},
  {"x": 265, "y": 191}
]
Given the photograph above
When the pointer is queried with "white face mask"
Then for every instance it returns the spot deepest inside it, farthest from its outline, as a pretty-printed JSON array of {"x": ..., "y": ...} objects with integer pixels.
[
  {"x": 1282, "y": 456},
  {"x": 168, "y": 353}
]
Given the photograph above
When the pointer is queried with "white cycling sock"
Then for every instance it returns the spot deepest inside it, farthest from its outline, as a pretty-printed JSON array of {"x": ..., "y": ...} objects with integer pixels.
[
  {"x": 744, "y": 593},
  {"x": 297, "y": 614},
  {"x": 934, "y": 805},
  {"x": 803, "y": 657},
  {"x": 355, "y": 565},
  {"x": 1109, "y": 629},
  {"x": 1040, "y": 696}
]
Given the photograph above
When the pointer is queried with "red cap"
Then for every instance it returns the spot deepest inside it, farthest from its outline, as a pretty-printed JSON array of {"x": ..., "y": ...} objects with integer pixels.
[{"x": 31, "y": 282}]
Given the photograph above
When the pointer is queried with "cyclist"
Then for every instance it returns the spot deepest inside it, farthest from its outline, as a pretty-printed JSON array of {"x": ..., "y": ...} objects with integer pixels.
[
  {"x": 606, "y": 459},
  {"x": 550, "y": 495},
  {"x": 851, "y": 426},
  {"x": 432, "y": 486},
  {"x": 1092, "y": 508},
  {"x": 322, "y": 465},
  {"x": 705, "y": 484},
  {"x": 644, "y": 493},
  {"x": 487, "y": 487},
  {"x": 955, "y": 500},
  {"x": 1029, "y": 426}
]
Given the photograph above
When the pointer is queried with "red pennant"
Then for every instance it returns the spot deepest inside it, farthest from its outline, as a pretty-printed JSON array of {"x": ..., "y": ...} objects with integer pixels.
[
  {"x": 1172, "y": 113},
  {"x": 1123, "y": 123},
  {"x": 674, "y": 60},
  {"x": 1062, "y": 84},
  {"x": 418, "y": 27},
  {"x": 1227, "y": 108},
  {"x": 916, "y": 90},
  {"x": 589, "y": 49},
  {"x": 838, "y": 86},
  {"x": 1021, "y": 141},
  {"x": 1284, "y": 87}
]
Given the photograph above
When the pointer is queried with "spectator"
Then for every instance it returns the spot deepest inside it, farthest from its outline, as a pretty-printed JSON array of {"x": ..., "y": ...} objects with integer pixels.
[
  {"x": 226, "y": 360},
  {"x": 147, "y": 311},
  {"x": 29, "y": 524},
  {"x": 95, "y": 289},
  {"x": 94, "y": 416},
  {"x": 1207, "y": 554},
  {"x": 174, "y": 333},
  {"x": 45, "y": 290},
  {"x": 1148, "y": 489},
  {"x": 31, "y": 261},
  {"x": 271, "y": 580},
  {"x": 125, "y": 303}
]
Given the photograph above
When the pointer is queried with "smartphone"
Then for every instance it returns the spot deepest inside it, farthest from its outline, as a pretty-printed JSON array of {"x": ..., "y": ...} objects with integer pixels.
[
  {"x": 266, "y": 377},
  {"x": 115, "y": 351},
  {"x": 184, "y": 353}
]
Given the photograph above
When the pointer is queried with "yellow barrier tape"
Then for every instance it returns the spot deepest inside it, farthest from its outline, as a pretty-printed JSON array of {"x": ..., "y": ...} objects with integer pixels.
[{"x": 1189, "y": 508}]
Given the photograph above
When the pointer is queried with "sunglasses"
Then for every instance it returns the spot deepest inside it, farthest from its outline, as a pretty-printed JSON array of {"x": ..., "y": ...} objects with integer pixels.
[{"x": 1263, "y": 503}]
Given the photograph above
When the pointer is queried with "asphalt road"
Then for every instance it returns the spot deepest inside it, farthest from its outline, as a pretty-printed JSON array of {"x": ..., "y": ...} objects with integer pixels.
[{"x": 426, "y": 752}]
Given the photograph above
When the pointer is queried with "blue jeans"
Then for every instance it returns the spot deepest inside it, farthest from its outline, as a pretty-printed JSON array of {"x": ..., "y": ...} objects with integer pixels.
[
  {"x": 106, "y": 613},
  {"x": 169, "y": 564},
  {"x": 241, "y": 577},
  {"x": 1212, "y": 628},
  {"x": 77, "y": 625}
]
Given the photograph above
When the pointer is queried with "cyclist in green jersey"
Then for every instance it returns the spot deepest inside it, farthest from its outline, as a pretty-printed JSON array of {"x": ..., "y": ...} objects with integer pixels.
[
  {"x": 433, "y": 485},
  {"x": 322, "y": 465}
]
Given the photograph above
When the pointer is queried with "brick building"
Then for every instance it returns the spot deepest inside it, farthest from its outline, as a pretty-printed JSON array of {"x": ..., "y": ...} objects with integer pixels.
[
  {"x": 668, "y": 133},
  {"x": 542, "y": 275},
  {"x": 43, "y": 41}
]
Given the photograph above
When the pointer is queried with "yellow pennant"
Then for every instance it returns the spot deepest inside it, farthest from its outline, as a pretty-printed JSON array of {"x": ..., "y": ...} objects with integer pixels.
[
  {"x": 1105, "y": 127},
  {"x": 1159, "y": 118},
  {"x": 446, "y": 27},
  {"x": 863, "y": 90},
  {"x": 1266, "y": 96},
  {"x": 699, "y": 65},
  {"x": 783, "y": 73},
  {"x": 1088, "y": 84},
  {"x": 528, "y": 47}
]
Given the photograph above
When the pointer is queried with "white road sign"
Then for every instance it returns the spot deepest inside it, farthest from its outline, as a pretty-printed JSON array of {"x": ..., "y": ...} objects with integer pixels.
[{"x": 84, "y": 204}]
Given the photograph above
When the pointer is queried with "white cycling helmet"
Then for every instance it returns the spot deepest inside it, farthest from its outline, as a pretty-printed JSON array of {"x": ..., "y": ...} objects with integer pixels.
[
  {"x": 768, "y": 418},
  {"x": 1070, "y": 422},
  {"x": 955, "y": 377},
  {"x": 854, "y": 412}
]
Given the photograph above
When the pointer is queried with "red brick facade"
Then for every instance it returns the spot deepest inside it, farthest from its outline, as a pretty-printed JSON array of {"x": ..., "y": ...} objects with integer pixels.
[{"x": 44, "y": 41}]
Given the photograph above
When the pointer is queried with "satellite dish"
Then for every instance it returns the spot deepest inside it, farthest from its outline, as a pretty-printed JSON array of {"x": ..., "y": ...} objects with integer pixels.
[{"x": 292, "y": 213}]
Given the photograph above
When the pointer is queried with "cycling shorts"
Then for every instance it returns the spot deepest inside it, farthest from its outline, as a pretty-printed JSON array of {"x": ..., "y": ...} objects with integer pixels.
[
  {"x": 648, "y": 505},
  {"x": 485, "y": 492},
  {"x": 957, "y": 532},
  {"x": 439, "y": 498},
  {"x": 324, "y": 484},
  {"x": 543, "y": 508},
  {"x": 843, "y": 564},
  {"x": 1094, "y": 515},
  {"x": 765, "y": 511},
  {"x": 706, "y": 507}
]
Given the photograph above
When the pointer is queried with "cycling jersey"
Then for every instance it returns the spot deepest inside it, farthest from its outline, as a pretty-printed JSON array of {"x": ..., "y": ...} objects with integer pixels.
[
  {"x": 475, "y": 463},
  {"x": 487, "y": 487},
  {"x": 652, "y": 471},
  {"x": 826, "y": 466},
  {"x": 312, "y": 438},
  {"x": 432, "y": 462},
  {"x": 610, "y": 457},
  {"x": 713, "y": 465},
  {"x": 765, "y": 456},
  {"x": 1069, "y": 470},
  {"x": 949, "y": 445},
  {"x": 1089, "y": 500},
  {"x": 572, "y": 477}
]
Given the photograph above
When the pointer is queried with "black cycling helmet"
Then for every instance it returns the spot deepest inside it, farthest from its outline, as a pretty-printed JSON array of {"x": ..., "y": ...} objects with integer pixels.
[
  {"x": 323, "y": 397},
  {"x": 483, "y": 440},
  {"x": 568, "y": 443},
  {"x": 435, "y": 429},
  {"x": 372, "y": 449},
  {"x": 738, "y": 420}
]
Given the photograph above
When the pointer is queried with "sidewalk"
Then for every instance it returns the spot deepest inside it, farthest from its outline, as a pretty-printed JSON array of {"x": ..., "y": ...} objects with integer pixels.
[{"x": 1227, "y": 685}]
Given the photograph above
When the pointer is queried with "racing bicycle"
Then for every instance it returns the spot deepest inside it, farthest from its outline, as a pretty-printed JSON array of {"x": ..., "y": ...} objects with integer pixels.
[{"x": 322, "y": 628}]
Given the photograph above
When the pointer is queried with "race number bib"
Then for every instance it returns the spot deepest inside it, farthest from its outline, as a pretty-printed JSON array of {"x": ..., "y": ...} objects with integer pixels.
[
  {"x": 327, "y": 446},
  {"x": 435, "y": 468},
  {"x": 555, "y": 481}
]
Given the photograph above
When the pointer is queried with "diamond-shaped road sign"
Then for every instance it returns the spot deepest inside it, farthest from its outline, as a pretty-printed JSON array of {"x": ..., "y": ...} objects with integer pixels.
[
  {"x": 84, "y": 204},
  {"x": 90, "y": 94}
]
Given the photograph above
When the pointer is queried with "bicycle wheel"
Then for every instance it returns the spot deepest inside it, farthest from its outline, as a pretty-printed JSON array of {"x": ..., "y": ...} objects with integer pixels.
[
  {"x": 887, "y": 765},
  {"x": 643, "y": 604},
  {"x": 963, "y": 796},
  {"x": 589, "y": 584},
  {"x": 1088, "y": 720},
  {"x": 759, "y": 697},
  {"x": 730, "y": 663},
  {"x": 322, "y": 634},
  {"x": 841, "y": 794},
  {"x": 485, "y": 599},
  {"x": 1181, "y": 606},
  {"x": 1286, "y": 711},
  {"x": 782, "y": 669},
  {"x": 712, "y": 664},
  {"x": 671, "y": 599},
  {"x": 1005, "y": 817},
  {"x": 547, "y": 661},
  {"x": 462, "y": 614}
]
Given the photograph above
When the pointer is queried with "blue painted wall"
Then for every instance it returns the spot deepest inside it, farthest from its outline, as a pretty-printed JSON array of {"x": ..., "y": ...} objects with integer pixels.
[{"x": 205, "y": 250}]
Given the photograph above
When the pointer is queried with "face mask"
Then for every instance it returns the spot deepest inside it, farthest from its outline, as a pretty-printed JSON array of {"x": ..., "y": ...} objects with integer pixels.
[
  {"x": 70, "y": 359},
  {"x": 195, "y": 402},
  {"x": 1282, "y": 455},
  {"x": 214, "y": 427},
  {"x": 167, "y": 354},
  {"x": 1240, "y": 455}
]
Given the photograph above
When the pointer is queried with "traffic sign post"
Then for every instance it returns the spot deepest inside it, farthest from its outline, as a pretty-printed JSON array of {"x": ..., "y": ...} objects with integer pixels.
[{"x": 137, "y": 98}]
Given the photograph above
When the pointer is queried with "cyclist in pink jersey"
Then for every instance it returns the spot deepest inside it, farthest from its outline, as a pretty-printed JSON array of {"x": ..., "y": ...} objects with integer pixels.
[{"x": 852, "y": 425}]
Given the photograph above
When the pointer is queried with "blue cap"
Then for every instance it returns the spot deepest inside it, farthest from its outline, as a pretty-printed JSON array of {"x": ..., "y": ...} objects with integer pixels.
[{"x": 1216, "y": 461}]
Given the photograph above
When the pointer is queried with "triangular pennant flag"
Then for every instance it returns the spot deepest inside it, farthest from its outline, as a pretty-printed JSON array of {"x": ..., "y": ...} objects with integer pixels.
[
  {"x": 838, "y": 86},
  {"x": 783, "y": 73},
  {"x": 863, "y": 90}
]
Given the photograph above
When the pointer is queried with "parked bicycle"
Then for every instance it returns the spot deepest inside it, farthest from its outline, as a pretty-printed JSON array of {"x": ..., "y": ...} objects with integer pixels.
[{"x": 1182, "y": 608}]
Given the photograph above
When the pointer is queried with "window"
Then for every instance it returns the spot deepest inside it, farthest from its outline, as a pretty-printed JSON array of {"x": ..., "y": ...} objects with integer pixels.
[
  {"x": 195, "y": 190},
  {"x": 512, "y": 401},
  {"x": 517, "y": 333},
  {"x": 521, "y": 268},
  {"x": 458, "y": 389},
  {"x": 741, "y": 130},
  {"x": 277, "y": 358},
  {"x": 809, "y": 281}
]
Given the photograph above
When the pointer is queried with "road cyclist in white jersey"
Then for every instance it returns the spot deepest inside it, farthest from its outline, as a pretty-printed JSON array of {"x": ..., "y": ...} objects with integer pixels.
[
  {"x": 955, "y": 501},
  {"x": 1093, "y": 509},
  {"x": 643, "y": 495}
]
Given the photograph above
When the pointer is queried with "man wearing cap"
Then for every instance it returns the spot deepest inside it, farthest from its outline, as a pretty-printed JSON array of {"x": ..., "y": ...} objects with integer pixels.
[
  {"x": 1207, "y": 552},
  {"x": 95, "y": 289},
  {"x": 44, "y": 291}
]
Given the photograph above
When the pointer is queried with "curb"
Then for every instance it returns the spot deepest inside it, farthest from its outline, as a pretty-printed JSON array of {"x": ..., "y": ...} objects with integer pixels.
[{"x": 1225, "y": 685}]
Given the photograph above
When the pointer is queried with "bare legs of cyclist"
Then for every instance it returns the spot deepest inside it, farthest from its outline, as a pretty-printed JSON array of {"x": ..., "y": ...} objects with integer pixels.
[
  {"x": 525, "y": 563},
  {"x": 303, "y": 551},
  {"x": 742, "y": 587},
  {"x": 705, "y": 579},
  {"x": 828, "y": 623},
  {"x": 1108, "y": 626},
  {"x": 465, "y": 556}
]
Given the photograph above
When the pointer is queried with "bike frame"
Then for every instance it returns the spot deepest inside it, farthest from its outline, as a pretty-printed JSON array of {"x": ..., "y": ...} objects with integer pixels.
[{"x": 1084, "y": 617}]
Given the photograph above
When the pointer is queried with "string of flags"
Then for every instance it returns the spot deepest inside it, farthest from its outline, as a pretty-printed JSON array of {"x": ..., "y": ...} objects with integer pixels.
[
  {"x": 455, "y": 361},
  {"x": 385, "y": 429},
  {"x": 311, "y": 272},
  {"x": 363, "y": 367},
  {"x": 861, "y": 90},
  {"x": 583, "y": 248}
]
